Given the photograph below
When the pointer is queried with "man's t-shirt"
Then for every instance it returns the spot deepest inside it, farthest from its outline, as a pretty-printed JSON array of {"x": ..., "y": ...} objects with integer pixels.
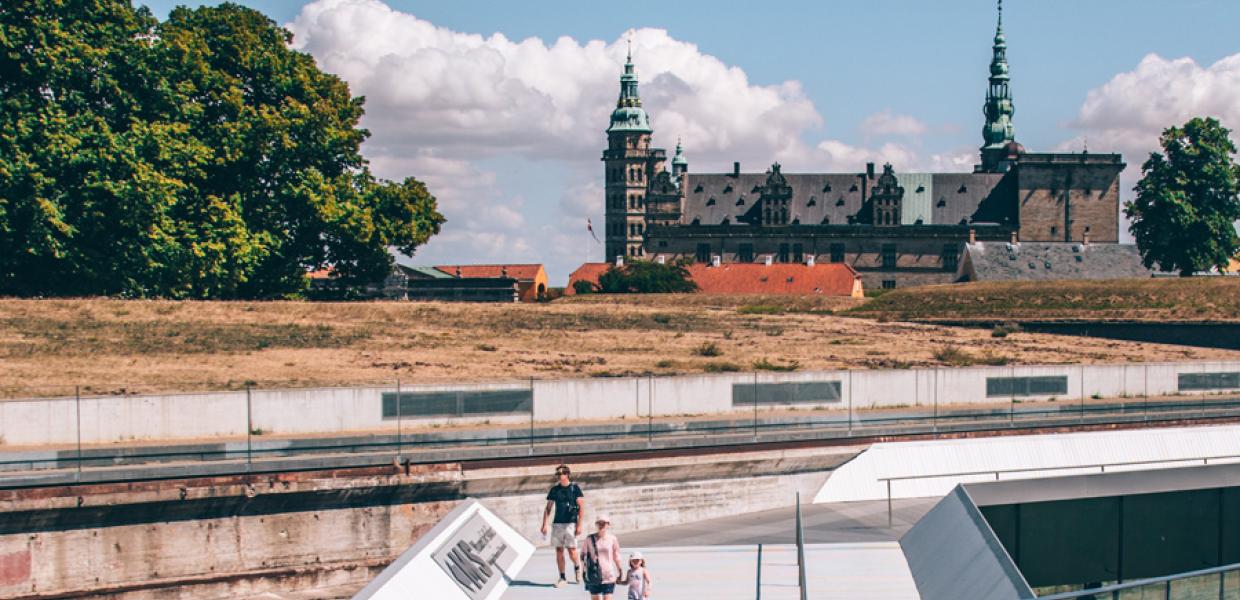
[{"x": 565, "y": 498}]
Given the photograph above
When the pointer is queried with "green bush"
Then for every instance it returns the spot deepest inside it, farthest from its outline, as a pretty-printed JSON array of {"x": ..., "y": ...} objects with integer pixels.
[
  {"x": 644, "y": 277},
  {"x": 762, "y": 364},
  {"x": 708, "y": 349}
]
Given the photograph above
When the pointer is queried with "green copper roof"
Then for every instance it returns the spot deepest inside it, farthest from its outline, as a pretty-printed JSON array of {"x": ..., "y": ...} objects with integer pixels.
[
  {"x": 998, "y": 130},
  {"x": 679, "y": 159},
  {"x": 629, "y": 115}
]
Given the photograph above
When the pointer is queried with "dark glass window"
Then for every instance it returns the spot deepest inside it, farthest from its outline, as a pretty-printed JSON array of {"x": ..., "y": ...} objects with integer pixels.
[
  {"x": 889, "y": 284},
  {"x": 703, "y": 253},
  {"x": 745, "y": 253},
  {"x": 837, "y": 253},
  {"x": 783, "y": 253},
  {"x": 889, "y": 256},
  {"x": 951, "y": 258},
  {"x": 798, "y": 253}
]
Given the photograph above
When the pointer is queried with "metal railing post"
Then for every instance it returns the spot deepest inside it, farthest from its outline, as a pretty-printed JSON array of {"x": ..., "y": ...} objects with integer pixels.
[
  {"x": 850, "y": 401},
  {"x": 400, "y": 430},
  {"x": 801, "y": 552},
  {"x": 1146, "y": 392},
  {"x": 889, "y": 503},
  {"x": 1012, "y": 405},
  {"x": 649, "y": 411},
  {"x": 1080, "y": 415},
  {"x": 77, "y": 396},
  {"x": 755, "y": 406},
  {"x": 758, "y": 590},
  {"x": 249, "y": 429},
  {"x": 531, "y": 451},
  {"x": 935, "y": 420}
]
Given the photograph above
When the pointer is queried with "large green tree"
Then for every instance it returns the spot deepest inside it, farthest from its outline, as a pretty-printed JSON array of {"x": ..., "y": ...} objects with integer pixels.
[
  {"x": 197, "y": 157},
  {"x": 1187, "y": 201},
  {"x": 645, "y": 277}
]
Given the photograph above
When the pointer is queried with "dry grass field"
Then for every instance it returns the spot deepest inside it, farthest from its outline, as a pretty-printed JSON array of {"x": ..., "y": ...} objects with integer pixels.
[
  {"x": 120, "y": 346},
  {"x": 1162, "y": 299}
]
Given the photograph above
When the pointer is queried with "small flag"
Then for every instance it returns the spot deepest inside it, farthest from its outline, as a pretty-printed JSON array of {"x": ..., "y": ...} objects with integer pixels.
[{"x": 590, "y": 228}]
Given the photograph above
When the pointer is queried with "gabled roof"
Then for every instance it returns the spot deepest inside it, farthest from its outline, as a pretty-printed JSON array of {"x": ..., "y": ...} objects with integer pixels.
[
  {"x": 830, "y": 279},
  {"x": 1002, "y": 261},
  {"x": 527, "y": 272}
]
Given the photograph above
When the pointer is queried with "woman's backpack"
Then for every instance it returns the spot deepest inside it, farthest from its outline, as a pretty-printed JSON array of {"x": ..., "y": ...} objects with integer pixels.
[{"x": 592, "y": 574}]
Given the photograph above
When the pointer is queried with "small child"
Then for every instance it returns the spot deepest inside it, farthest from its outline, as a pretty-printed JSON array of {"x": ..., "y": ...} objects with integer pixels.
[{"x": 638, "y": 578}]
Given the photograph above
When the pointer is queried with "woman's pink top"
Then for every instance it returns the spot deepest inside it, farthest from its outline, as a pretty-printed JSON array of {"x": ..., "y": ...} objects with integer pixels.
[{"x": 606, "y": 549}]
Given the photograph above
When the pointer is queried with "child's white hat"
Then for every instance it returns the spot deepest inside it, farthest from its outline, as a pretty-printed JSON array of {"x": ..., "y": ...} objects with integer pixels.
[{"x": 636, "y": 556}]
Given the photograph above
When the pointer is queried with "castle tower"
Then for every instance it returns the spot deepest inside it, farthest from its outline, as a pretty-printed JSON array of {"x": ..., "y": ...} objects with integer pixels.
[
  {"x": 1000, "y": 146},
  {"x": 630, "y": 165}
]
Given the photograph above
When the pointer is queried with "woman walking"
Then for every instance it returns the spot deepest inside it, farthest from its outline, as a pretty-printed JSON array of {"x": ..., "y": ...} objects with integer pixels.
[{"x": 602, "y": 549}]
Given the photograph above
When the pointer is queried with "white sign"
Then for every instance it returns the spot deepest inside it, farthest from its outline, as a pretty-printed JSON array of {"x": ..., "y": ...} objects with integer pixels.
[{"x": 471, "y": 554}]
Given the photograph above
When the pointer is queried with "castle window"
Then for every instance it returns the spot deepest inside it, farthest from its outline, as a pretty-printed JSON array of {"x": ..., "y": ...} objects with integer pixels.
[
  {"x": 826, "y": 220},
  {"x": 798, "y": 253},
  {"x": 696, "y": 221},
  {"x": 826, "y": 188},
  {"x": 728, "y": 189},
  {"x": 889, "y": 256},
  {"x": 1054, "y": 230},
  {"x": 703, "y": 253},
  {"x": 889, "y": 284},
  {"x": 726, "y": 221},
  {"x": 710, "y": 202},
  {"x": 756, "y": 189},
  {"x": 963, "y": 188},
  {"x": 837, "y": 253},
  {"x": 853, "y": 188},
  {"x": 942, "y": 202},
  {"x": 951, "y": 259},
  {"x": 812, "y": 202},
  {"x": 740, "y": 201},
  {"x": 920, "y": 189},
  {"x": 840, "y": 202},
  {"x": 698, "y": 189},
  {"x": 745, "y": 253},
  {"x": 783, "y": 253}
]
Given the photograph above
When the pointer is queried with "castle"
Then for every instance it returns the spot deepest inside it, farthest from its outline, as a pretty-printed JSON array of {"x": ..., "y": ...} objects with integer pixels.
[{"x": 896, "y": 229}]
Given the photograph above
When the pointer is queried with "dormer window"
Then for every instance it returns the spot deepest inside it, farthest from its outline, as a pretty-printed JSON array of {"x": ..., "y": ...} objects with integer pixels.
[
  {"x": 826, "y": 189},
  {"x": 942, "y": 202},
  {"x": 756, "y": 189},
  {"x": 840, "y": 202},
  {"x": 812, "y": 202},
  {"x": 920, "y": 189},
  {"x": 740, "y": 201},
  {"x": 698, "y": 189},
  {"x": 963, "y": 188},
  {"x": 710, "y": 202},
  {"x": 728, "y": 189},
  {"x": 853, "y": 188}
]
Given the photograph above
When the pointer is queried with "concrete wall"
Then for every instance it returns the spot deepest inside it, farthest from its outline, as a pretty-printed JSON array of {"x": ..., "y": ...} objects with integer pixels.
[{"x": 333, "y": 410}]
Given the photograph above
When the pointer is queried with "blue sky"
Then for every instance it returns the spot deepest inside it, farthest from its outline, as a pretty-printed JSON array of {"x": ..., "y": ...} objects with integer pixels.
[{"x": 508, "y": 130}]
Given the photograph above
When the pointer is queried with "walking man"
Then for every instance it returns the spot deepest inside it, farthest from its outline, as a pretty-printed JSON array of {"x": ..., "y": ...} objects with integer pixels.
[{"x": 568, "y": 503}]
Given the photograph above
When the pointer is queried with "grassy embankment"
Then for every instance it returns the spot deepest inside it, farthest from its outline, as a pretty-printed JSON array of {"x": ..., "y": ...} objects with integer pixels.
[
  {"x": 117, "y": 346},
  {"x": 1163, "y": 299}
]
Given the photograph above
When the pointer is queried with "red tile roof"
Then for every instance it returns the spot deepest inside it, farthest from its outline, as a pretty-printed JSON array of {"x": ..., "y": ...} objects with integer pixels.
[
  {"x": 586, "y": 272},
  {"x": 830, "y": 279},
  {"x": 518, "y": 272}
]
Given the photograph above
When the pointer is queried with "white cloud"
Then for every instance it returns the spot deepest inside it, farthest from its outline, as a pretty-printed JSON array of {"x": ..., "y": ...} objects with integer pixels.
[
  {"x": 1130, "y": 112},
  {"x": 469, "y": 95},
  {"x": 887, "y": 123}
]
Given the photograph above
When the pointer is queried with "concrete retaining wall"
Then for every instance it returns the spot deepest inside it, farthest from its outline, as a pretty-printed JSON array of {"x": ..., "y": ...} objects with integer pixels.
[{"x": 334, "y": 410}]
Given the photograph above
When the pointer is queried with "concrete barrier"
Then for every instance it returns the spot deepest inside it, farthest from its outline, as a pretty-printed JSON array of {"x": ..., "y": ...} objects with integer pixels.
[{"x": 113, "y": 419}]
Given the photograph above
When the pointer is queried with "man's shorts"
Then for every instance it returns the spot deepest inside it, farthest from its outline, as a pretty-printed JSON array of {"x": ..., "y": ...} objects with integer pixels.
[{"x": 564, "y": 535}]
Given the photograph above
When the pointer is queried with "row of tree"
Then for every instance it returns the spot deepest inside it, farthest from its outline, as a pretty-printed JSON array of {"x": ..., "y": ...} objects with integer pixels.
[{"x": 197, "y": 157}]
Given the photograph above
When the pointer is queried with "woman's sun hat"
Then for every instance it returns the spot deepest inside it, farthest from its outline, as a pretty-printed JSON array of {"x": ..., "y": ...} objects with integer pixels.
[{"x": 603, "y": 518}]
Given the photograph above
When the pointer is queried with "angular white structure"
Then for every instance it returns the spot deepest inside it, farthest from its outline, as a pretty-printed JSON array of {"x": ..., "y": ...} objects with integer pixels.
[{"x": 469, "y": 555}]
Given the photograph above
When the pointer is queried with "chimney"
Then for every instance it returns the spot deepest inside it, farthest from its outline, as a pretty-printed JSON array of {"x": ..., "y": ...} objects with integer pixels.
[
  {"x": 715, "y": 260},
  {"x": 869, "y": 170},
  {"x": 809, "y": 260},
  {"x": 1085, "y": 239},
  {"x": 619, "y": 260},
  {"x": 503, "y": 271},
  {"x": 1015, "y": 237},
  {"x": 766, "y": 260},
  {"x": 660, "y": 259},
  {"x": 736, "y": 169},
  {"x": 458, "y": 271},
  {"x": 972, "y": 236}
]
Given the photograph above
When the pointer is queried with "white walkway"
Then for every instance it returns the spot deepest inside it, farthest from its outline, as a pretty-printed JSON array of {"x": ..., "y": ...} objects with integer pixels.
[{"x": 1046, "y": 455}]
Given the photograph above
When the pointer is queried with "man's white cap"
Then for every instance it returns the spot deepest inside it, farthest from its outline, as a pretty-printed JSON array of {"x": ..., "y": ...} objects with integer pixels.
[{"x": 636, "y": 556}]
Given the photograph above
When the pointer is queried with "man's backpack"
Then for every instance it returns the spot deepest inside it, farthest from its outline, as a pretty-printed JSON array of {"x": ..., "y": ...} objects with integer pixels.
[{"x": 592, "y": 574}]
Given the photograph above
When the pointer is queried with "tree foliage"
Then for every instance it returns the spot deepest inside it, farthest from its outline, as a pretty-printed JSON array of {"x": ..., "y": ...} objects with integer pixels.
[
  {"x": 199, "y": 157},
  {"x": 1187, "y": 205},
  {"x": 645, "y": 277}
]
